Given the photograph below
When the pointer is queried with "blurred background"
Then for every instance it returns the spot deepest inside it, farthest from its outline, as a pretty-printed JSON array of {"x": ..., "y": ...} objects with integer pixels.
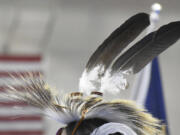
[{"x": 60, "y": 35}]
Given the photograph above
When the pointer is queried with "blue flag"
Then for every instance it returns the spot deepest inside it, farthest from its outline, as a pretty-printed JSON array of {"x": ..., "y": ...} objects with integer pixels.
[{"x": 154, "y": 101}]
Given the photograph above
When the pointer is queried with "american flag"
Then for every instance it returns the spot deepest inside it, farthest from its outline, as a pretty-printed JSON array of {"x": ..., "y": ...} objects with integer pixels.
[{"x": 13, "y": 120}]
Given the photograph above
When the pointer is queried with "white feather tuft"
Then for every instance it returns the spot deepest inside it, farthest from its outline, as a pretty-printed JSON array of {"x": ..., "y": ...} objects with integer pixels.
[
  {"x": 95, "y": 81},
  {"x": 113, "y": 84},
  {"x": 90, "y": 81}
]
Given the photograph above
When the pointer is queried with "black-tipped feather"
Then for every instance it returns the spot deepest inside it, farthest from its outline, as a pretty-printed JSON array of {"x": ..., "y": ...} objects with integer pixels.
[
  {"x": 148, "y": 48},
  {"x": 118, "y": 40}
]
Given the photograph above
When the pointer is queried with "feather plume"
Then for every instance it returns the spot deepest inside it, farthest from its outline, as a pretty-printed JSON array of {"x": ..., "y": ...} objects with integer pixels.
[
  {"x": 110, "y": 48},
  {"x": 118, "y": 40},
  {"x": 148, "y": 48}
]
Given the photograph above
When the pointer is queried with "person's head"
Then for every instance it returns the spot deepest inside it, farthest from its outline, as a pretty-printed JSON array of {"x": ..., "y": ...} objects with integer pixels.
[{"x": 86, "y": 127}]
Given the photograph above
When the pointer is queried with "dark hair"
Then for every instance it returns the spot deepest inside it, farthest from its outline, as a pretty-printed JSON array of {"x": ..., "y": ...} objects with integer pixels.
[
  {"x": 86, "y": 127},
  {"x": 117, "y": 133}
]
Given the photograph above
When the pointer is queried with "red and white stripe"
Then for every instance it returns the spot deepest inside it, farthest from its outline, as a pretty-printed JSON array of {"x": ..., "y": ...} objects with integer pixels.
[{"x": 13, "y": 119}]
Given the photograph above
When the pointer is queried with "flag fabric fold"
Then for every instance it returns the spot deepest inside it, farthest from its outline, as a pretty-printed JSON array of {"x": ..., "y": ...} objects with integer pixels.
[
  {"x": 148, "y": 92},
  {"x": 155, "y": 102}
]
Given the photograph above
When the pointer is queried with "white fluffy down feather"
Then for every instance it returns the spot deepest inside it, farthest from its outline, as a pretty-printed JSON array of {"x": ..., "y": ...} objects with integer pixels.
[
  {"x": 90, "y": 81},
  {"x": 94, "y": 81},
  {"x": 113, "y": 84}
]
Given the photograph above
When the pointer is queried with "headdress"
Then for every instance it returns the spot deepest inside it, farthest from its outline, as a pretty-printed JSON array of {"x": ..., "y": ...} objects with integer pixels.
[{"x": 105, "y": 71}]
